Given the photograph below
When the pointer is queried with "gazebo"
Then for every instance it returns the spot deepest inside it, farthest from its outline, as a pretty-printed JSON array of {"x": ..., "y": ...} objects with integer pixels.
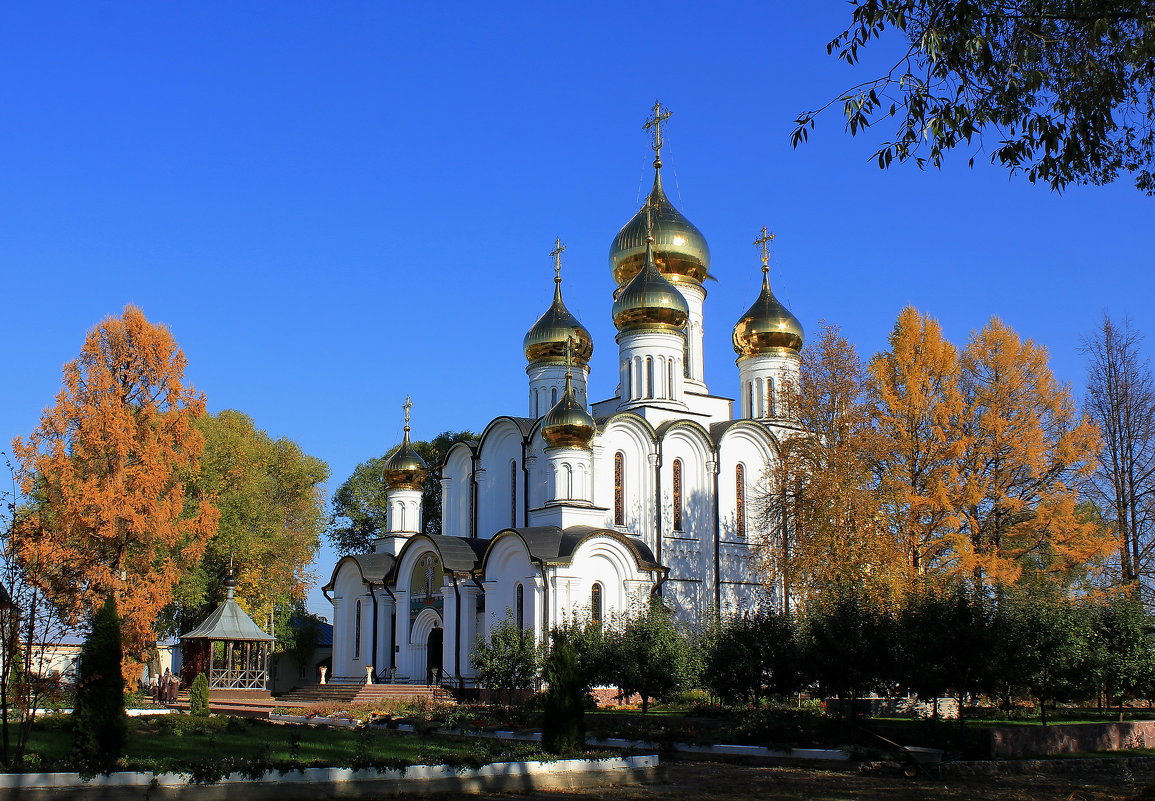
[{"x": 238, "y": 651}]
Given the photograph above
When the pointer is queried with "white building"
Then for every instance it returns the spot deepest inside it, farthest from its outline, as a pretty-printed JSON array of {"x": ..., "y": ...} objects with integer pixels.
[{"x": 575, "y": 509}]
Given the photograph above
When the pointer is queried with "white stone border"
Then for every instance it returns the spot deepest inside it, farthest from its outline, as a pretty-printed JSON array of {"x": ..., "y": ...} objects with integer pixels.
[{"x": 338, "y": 781}]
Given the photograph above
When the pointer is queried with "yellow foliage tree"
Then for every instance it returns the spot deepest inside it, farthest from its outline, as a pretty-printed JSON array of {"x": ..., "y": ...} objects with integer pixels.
[
  {"x": 106, "y": 472},
  {"x": 1026, "y": 453},
  {"x": 916, "y": 406},
  {"x": 823, "y": 487}
]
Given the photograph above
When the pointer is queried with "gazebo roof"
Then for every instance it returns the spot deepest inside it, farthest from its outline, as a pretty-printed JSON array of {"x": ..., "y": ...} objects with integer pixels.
[{"x": 228, "y": 622}]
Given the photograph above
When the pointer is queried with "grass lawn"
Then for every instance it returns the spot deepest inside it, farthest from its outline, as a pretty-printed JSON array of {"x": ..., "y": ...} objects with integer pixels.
[{"x": 181, "y": 742}]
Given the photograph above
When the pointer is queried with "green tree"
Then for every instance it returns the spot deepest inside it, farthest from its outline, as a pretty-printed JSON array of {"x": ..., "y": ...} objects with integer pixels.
[
  {"x": 649, "y": 656},
  {"x": 1064, "y": 86},
  {"x": 99, "y": 725},
  {"x": 198, "y": 697},
  {"x": 944, "y": 638},
  {"x": 359, "y": 508},
  {"x": 752, "y": 657},
  {"x": 507, "y": 662},
  {"x": 848, "y": 644},
  {"x": 1043, "y": 645},
  {"x": 270, "y": 495},
  {"x": 563, "y": 722},
  {"x": 1120, "y": 646}
]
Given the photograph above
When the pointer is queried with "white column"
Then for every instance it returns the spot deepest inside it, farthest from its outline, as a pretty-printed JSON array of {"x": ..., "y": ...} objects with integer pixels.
[
  {"x": 757, "y": 375},
  {"x": 469, "y": 595},
  {"x": 642, "y": 351},
  {"x": 545, "y": 379}
]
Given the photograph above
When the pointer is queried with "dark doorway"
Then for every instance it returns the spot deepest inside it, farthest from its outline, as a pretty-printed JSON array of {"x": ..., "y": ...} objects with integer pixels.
[{"x": 433, "y": 655}]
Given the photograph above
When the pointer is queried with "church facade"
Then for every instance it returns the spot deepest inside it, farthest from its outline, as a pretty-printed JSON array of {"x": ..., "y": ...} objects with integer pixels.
[{"x": 578, "y": 509}]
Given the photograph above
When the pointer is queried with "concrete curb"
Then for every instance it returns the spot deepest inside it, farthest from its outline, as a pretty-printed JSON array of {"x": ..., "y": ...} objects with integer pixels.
[{"x": 314, "y": 783}]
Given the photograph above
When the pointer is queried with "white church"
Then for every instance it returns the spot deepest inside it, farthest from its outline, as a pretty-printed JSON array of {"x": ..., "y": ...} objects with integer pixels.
[{"x": 578, "y": 509}]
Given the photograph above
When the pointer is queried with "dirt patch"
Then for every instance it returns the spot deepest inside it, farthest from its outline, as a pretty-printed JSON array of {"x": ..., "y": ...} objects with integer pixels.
[{"x": 703, "y": 781}]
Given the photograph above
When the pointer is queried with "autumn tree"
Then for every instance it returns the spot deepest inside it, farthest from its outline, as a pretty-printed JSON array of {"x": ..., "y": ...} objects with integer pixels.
[
  {"x": 272, "y": 512},
  {"x": 1064, "y": 87},
  {"x": 106, "y": 473},
  {"x": 359, "y": 508},
  {"x": 823, "y": 484},
  {"x": 1026, "y": 454},
  {"x": 916, "y": 403},
  {"x": 1121, "y": 401}
]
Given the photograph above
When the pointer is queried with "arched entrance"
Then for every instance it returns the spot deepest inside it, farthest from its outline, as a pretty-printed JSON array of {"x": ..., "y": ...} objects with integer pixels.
[{"x": 434, "y": 651}]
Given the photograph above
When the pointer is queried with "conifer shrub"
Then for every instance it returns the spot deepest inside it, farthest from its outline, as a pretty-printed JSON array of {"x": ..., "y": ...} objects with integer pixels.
[
  {"x": 99, "y": 725},
  {"x": 563, "y": 719},
  {"x": 198, "y": 696}
]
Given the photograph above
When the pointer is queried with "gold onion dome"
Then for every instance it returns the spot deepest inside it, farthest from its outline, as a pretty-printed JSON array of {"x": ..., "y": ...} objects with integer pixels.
[
  {"x": 767, "y": 327},
  {"x": 649, "y": 301},
  {"x": 568, "y": 424},
  {"x": 546, "y": 341},
  {"x": 680, "y": 250},
  {"x": 404, "y": 468}
]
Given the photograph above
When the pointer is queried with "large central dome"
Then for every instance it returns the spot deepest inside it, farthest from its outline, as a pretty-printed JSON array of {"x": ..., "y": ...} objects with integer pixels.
[{"x": 680, "y": 250}]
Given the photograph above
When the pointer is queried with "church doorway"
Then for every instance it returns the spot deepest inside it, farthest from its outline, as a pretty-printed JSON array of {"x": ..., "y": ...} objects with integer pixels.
[{"x": 433, "y": 655}]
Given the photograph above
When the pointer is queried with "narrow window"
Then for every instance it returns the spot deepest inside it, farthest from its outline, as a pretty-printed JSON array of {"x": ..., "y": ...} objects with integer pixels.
[
  {"x": 628, "y": 384},
  {"x": 357, "y": 630},
  {"x": 520, "y": 606},
  {"x": 771, "y": 400},
  {"x": 686, "y": 352},
  {"x": 596, "y": 604},
  {"x": 649, "y": 377},
  {"x": 677, "y": 495},
  {"x": 670, "y": 378},
  {"x": 553, "y": 396},
  {"x": 750, "y": 399},
  {"x": 740, "y": 500},
  {"x": 512, "y": 494},
  {"x": 619, "y": 489}
]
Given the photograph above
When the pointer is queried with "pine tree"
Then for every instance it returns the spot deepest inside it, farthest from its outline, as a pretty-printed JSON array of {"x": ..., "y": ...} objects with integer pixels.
[{"x": 564, "y": 723}]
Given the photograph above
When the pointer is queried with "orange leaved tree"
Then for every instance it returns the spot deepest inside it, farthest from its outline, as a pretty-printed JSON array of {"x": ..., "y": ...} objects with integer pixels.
[
  {"x": 1026, "y": 454},
  {"x": 106, "y": 474},
  {"x": 917, "y": 404}
]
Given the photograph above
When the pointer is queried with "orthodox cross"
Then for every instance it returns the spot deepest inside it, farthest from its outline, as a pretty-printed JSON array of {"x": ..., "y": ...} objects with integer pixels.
[
  {"x": 661, "y": 114},
  {"x": 407, "y": 405},
  {"x": 558, "y": 249},
  {"x": 763, "y": 242}
]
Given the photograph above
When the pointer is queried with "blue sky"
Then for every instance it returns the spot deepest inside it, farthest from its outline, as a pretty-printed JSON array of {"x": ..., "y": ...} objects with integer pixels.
[{"x": 335, "y": 205}]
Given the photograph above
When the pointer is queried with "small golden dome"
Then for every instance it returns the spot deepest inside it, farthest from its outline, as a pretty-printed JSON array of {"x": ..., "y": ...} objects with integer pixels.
[
  {"x": 649, "y": 301},
  {"x": 767, "y": 327},
  {"x": 404, "y": 468},
  {"x": 680, "y": 250},
  {"x": 568, "y": 424},
  {"x": 546, "y": 341}
]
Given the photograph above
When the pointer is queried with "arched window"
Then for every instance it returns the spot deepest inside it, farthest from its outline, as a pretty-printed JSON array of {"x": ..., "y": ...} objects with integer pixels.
[
  {"x": 649, "y": 377},
  {"x": 512, "y": 494},
  {"x": 596, "y": 611},
  {"x": 628, "y": 383},
  {"x": 740, "y": 500},
  {"x": 553, "y": 396},
  {"x": 670, "y": 379},
  {"x": 750, "y": 399},
  {"x": 686, "y": 351},
  {"x": 566, "y": 489},
  {"x": 771, "y": 400},
  {"x": 619, "y": 489},
  {"x": 677, "y": 495},
  {"x": 520, "y": 604},
  {"x": 357, "y": 629},
  {"x": 400, "y": 509}
]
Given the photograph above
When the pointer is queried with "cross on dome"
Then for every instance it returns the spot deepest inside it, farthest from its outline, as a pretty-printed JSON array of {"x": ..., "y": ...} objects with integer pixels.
[
  {"x": 763, "y": 243},
  {"x": 661, "y": 114},
  {"x": 558, "y": 249}
]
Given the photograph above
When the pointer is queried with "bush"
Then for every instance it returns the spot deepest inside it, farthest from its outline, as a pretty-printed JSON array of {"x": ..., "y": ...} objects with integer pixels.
[
  {"x": 99, "y": 729},
  {"x": 198, "y": 696},
  {"x": 563, "y": 722}
]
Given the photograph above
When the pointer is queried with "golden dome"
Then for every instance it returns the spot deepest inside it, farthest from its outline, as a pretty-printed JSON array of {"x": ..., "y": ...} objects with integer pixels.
[
  {"x": 546, "y": 341},
  {"x": 680, "y": 250},
  {"x": 649, "y": 301},
  {"x": 767, "y": 327},
  {"x": 568, "y": 424},
  {"x": 404, "y": 468}
]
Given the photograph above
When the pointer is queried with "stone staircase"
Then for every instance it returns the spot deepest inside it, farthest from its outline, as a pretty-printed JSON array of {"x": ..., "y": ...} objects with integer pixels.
[{"x": 363, "y": 694}]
